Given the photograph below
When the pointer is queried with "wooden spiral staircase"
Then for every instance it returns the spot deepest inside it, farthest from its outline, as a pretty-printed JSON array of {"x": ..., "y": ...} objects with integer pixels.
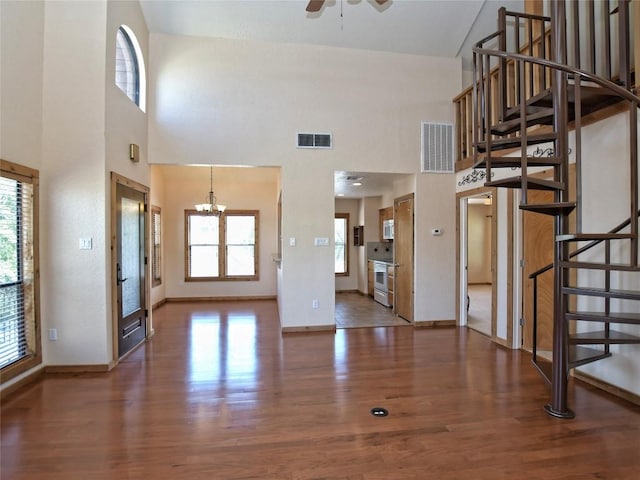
[{"x": 529, "y": 90}]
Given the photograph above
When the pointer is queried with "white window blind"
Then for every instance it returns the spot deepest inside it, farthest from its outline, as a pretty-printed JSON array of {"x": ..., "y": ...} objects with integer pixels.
[{"x": 17, "y": 285}]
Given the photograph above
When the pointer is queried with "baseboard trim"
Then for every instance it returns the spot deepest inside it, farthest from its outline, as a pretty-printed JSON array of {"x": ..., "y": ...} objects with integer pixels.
[
  {"x": 607, "y": 387},
  {"x": 310, "y": 329},
  {"x": 7, "y": 392},
  {"x": 434, "y": 323},
  {"x": 218, "y": 299},
  {"x": 93, "y": 368},
  {"x": 158, "y": 304}
]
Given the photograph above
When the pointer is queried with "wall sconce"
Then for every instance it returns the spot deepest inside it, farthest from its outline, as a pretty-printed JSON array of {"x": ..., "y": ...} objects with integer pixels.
[{"x": 134, "y": 152}]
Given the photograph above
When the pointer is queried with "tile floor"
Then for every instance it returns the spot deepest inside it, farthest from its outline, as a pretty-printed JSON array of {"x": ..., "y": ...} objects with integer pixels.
[{"x": 355, "y": 310}]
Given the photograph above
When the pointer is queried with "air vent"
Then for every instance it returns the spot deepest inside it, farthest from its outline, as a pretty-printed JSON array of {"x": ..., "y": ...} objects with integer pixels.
[
  {"x": 314, "y": 140},
  {"x": 437, "y": 147}
]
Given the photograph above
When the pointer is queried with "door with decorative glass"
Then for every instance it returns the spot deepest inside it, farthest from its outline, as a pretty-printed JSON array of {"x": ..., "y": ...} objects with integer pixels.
[{"x": 130, "y": 267}]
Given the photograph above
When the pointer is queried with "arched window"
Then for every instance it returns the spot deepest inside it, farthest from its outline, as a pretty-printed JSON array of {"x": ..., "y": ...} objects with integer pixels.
[{"x": 130, "y": 72}]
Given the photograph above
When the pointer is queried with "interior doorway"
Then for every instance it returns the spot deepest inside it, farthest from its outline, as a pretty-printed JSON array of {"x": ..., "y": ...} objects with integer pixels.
[{"x": 477, "y": 260}]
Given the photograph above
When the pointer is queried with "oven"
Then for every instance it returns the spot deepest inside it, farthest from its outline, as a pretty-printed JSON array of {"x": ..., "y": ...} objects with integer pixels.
[{"x": 380, "y": 283}]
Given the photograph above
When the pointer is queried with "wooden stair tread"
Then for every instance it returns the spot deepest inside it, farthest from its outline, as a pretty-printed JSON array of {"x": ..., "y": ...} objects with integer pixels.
[
  {"x": 510, "y": 162},
  {"x": 601, "y": 266},
  {"x": 543, "y": 116},
  {"x": 601, "y": 292},
  {"x": 508, "y": 143},
  {"x": 532, "y": 183},
  {"x": 582, "y": 355},
  {"x": 578, "y": 355},
  {"x": 579, "y": 237},
  {"x": 564, "y": 208},
  {"x": 612, "y": 317},
  {"x": 601, "y": 337},
  {"x": 592, "y": 99}
]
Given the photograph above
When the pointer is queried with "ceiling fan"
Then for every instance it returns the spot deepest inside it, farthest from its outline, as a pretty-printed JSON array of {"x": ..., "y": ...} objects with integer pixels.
[{"x": 316, "y": 5}]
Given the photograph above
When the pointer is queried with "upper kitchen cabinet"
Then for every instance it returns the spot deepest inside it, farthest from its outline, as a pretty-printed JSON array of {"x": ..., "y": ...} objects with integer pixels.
[{"x": 386, "y": 224}]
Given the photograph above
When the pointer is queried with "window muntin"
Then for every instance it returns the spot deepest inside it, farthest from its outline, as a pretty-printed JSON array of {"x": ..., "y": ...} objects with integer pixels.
[
  {"x": 221, "y": 247},
  {"x": 341, "y": 242},
  {"x": 19, "y": 311},
  {"x": 156, "y": 246},
  {"x": 130, "y": 75}
]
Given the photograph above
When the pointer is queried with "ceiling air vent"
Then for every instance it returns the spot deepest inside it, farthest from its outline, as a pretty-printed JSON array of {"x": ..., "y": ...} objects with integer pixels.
[
  {"x": 314, "y": 140},
  {"x": 437, "y": 147}
]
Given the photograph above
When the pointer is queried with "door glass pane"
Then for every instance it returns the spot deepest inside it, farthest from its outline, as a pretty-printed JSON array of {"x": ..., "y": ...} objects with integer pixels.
[{"x": 130, "y": 266}]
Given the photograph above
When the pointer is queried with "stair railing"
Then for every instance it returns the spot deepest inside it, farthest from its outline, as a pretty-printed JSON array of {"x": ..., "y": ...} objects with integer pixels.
[
  {"x": 594, "y": 24},
  {"x": 534, "y": 277}
]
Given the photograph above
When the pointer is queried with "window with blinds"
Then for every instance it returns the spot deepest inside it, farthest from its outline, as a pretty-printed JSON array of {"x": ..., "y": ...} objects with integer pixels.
[
  {"x": 156, "y": 236},
  {"x": 19, "y": 323}
]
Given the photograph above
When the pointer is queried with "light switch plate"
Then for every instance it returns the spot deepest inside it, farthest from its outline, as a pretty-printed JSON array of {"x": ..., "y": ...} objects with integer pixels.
[
  {"x": 86, "y": 243},
  {"x": 321, "y": 241}
]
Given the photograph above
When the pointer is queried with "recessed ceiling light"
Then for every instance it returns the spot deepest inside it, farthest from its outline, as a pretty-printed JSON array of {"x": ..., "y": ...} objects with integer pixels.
[
  {"x": 357, "y": 184},
  {"x": 341, "y": 194}
]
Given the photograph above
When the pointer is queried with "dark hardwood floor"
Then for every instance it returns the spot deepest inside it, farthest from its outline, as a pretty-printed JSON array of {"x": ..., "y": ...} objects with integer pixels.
[{"x": 219, "y": 393}]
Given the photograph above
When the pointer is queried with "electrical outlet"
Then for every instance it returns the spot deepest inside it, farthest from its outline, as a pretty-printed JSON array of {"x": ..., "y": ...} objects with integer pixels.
[
  {"x": 53, "y": 334},
  {"x": 315, "y": 304}
]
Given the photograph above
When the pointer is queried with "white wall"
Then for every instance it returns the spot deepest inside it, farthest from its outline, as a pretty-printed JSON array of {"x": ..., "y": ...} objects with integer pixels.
[
  {"x": 74, "y": 289},
  {"x": 435, "y": 272},
  {"x": 606, "y": 204},
  {"x": 242, "y": 102},
  {"x": 238, "y": 189},
  {"x": 21, "y": 50},
  {"x": 61, "y": 114}
]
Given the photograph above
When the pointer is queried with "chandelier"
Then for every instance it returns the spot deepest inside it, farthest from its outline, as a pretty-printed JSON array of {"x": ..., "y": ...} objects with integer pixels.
[{"x": 210, "y": 206}]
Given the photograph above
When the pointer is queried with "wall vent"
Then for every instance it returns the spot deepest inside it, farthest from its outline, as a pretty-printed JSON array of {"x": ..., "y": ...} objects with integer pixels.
[
  {"x": 315, "y": 140},
  {"x": 437, "y": 147}
]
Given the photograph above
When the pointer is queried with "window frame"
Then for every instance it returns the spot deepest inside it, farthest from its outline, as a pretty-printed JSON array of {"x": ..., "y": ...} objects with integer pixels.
[
  {"x": 138, "y": 70},
  {"x": 222, "y": 247},
  {"x": 345, "y": 217},
  {"x": 28, "y": 175},
  {"x": 156, "y": 246}
]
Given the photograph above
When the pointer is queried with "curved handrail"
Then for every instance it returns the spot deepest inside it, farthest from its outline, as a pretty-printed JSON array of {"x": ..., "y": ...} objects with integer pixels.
[
  {"x": 622, "y": 92},
  {"x": 590, "y": 245}
]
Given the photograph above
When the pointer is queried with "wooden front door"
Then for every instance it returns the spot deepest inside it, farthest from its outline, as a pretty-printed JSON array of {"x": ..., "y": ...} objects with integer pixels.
[
  {"x": 403, "y": 251},
  {"x": 130, "y": 267}
]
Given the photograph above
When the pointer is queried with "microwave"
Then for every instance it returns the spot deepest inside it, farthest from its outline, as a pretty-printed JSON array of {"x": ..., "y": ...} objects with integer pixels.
[{"x": 387, "y": 229}]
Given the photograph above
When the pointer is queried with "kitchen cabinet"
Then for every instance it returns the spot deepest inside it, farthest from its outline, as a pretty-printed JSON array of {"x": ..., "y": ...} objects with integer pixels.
[
  {"x": 370, "y": 278},
  {"x": 391, "y": 283},
  {"x": 384, "y": 214}
]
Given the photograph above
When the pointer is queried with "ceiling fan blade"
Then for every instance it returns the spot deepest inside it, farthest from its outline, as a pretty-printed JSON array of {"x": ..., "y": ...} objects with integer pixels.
[{"x": 315, "y": 5}]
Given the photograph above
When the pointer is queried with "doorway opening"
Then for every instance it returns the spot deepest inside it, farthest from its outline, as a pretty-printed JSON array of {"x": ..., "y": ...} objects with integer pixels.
[{"x": 477, "y": 211}]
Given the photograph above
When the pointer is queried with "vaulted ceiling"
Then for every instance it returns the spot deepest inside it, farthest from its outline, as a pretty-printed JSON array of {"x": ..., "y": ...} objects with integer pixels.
[{"x": 445, "y": 28}]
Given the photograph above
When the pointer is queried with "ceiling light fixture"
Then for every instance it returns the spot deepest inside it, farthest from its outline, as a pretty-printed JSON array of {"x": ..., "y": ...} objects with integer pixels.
[
  {"x": 211, "y": 207},
  {"x": 357, "y": 184}
]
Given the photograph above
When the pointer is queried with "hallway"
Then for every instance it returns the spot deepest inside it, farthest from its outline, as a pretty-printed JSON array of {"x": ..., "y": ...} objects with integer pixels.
[{"x": 220, "y": 393}]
